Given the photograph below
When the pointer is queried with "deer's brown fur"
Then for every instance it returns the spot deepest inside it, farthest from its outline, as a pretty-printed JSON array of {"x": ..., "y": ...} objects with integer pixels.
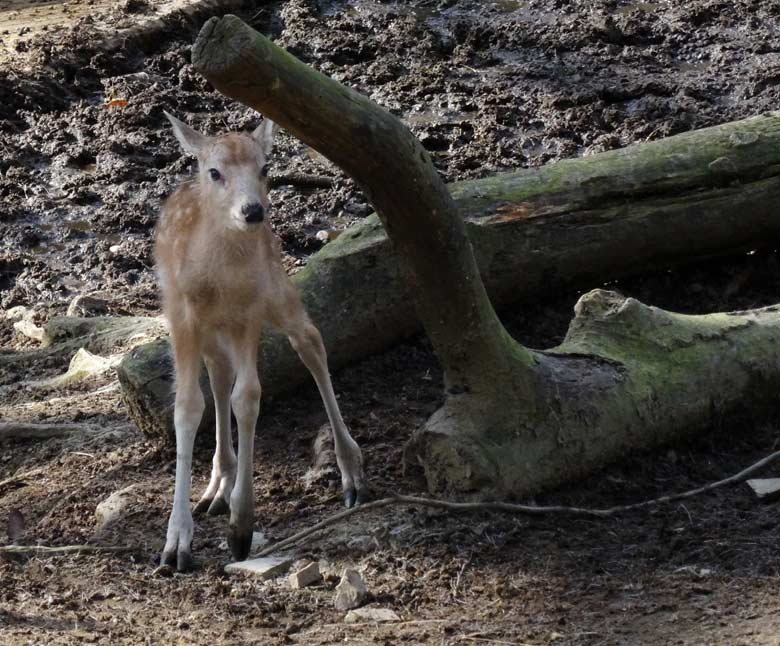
[{"x": 222, "y": 281}]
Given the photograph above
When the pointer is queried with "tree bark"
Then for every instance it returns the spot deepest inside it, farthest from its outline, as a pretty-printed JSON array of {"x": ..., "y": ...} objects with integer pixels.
[
  {"x": 627, "y": 376},
  {"x": 514, "y": 420},
  {"x": 369, "y": 143},
  {"x": 576, "y": 223}
]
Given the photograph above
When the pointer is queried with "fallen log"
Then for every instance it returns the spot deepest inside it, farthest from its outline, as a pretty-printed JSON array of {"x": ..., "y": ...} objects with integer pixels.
[
  {"x": 515, "y": 420},
  {"x": 576, "y": 223}
]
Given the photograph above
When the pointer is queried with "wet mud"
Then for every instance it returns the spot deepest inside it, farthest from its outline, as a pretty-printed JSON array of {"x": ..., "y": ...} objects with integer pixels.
[{"x": 86, "y": 156}]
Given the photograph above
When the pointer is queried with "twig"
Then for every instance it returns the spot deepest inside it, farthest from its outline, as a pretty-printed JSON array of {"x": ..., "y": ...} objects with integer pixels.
[
  {"x": 302, "y": 181},
  {"x": 457, "y": 579},
  {"x": 477, "y": 637},
  {"x": 43, "y": 550},
  {"x": 395, "y": 624},
  {"x": 512, "y": 508},
  {"x": 20, "y": 476}
]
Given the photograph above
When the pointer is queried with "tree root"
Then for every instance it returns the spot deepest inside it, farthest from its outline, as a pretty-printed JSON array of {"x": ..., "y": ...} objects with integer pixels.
[{"x": 511, "y": 508}]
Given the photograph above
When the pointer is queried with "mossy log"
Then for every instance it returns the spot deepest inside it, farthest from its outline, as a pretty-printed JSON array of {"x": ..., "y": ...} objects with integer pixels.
[
  {"x": 570, "y": 224},
  {"x": 627, "y": 376},
  {"x": 576, "y": 223}
]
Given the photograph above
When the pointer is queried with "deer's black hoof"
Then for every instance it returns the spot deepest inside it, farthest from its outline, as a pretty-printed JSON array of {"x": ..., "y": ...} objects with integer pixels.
[
  {"x": 219, "y": 507},
  {"x": 240, "y": 543},
  {"x": 184, "y": 561},
  {"x": 181, "y": 560},
  {"x": 203, "y": 505}
]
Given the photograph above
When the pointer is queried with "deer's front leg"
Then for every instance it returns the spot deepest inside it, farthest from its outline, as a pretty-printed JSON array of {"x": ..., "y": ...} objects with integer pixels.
[
  {"x": 246, "y": 408},
  {"x": 188, "y": 410},
  {"x": 216, "y": 498}
]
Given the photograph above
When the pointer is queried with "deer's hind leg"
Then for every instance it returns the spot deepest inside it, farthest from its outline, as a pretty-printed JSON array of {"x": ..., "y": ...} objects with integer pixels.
[
  {"x": 188, "y": 410},
  {"x": 216, "y": 497},
  {"x": 306, "y": 340}
]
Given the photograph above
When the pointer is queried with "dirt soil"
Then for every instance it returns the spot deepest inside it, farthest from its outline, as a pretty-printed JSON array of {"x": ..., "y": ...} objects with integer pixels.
[{"x": 86, "y": 157}]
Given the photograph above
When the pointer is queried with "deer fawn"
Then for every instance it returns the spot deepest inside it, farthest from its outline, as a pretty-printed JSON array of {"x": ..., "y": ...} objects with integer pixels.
[{"x": 222, "y": 280}]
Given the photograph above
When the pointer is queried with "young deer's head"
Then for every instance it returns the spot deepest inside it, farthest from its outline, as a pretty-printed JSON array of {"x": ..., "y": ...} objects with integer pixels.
[{"x": 232, "y": 172}]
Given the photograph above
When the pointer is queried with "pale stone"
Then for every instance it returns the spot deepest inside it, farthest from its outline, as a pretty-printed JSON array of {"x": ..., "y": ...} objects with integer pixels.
[
  {"x": 29, "y": 329},
  {"x": 17, "y": 313},
  {"x": 766, "y": 488},
  {"x": 87, "y": 305},
  {"x": 83, "y": 365},
  {"x": 113, "y": 507},
  {"x": 266, "y": 568},
  {"x": 371, "y": 614},
  {"x": 351, "y": 591},
  {"x": 305, "y": 576}
]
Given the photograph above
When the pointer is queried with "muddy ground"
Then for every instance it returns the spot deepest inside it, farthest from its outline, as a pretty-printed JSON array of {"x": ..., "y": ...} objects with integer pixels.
[{"x": 486, "y": 86}]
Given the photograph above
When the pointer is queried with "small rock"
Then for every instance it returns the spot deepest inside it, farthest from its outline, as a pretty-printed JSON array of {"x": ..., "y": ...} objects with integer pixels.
[
  {"x": 18, "y": 313},
  {"x": 323, "y": 236},
  {"x": 765, "y": 488},
  {"x": 83, "y": 365},
  {"x": 87, "y": 305},
  {"x": 351, "y": 591},
  {"x": 266, "y": 568},
  {"x": 114, "y": 249},
  {"x": 371, "y": 614},
  {"x": 29, "y": 329},
  {"x": 305, "y": 576},
  {"x": 112, "y": 508}
]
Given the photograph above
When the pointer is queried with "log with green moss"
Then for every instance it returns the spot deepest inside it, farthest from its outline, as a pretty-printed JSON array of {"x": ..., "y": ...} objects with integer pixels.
[{"x": 574, "y": 223}]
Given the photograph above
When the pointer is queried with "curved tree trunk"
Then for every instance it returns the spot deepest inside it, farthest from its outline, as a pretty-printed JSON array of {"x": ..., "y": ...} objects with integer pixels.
[{"x": 627, "y": 376}]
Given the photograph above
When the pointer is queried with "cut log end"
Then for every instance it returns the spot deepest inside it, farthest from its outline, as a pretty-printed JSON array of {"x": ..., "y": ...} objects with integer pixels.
[{"x": 220, "y": 44}]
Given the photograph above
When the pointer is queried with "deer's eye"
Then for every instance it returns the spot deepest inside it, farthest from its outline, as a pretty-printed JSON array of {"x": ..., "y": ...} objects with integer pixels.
[
  {"x": 215, "y": 174},
  {"x": 264, "y": 170}
]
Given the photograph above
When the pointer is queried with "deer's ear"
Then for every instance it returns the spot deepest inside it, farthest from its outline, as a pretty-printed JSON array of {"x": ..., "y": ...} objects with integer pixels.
[
  {"x": 264, "y": 134},
  {"x": 190, "y": 139}
]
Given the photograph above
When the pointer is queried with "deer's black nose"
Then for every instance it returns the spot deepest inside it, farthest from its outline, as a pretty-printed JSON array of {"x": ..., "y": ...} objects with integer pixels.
[{"x": 253, "y": 213}]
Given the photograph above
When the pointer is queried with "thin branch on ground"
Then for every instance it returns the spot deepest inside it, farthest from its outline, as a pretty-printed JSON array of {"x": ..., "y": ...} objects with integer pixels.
[
  {"x": 301, "y": 181},
  {"x": 15, "y": 479},
  {"x": 44, "y": 550},
  {"x": 511, "y": 508}
]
